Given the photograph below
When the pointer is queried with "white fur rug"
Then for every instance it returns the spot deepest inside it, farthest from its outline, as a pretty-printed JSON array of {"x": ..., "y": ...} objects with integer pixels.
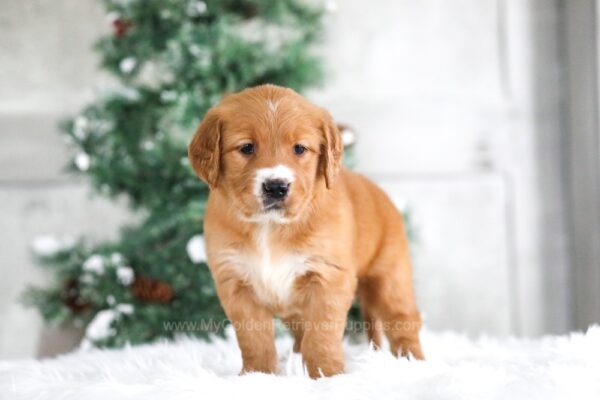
[{"x": 565, "y": 367}]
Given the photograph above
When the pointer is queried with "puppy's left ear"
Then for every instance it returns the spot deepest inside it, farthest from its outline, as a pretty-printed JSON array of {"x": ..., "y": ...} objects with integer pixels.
[
  {"x": 204, "y": 151},
  {"x": 331, "y": 149}
]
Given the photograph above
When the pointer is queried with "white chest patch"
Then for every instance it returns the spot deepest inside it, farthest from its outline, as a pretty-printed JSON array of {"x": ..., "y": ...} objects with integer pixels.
[{"x": 271, "y": 276}]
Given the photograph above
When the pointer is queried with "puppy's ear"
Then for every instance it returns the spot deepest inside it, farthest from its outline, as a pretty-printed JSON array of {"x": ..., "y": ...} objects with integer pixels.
[
  {"x": 331, "y": 149},
  {"x": 204, "y": 151}
]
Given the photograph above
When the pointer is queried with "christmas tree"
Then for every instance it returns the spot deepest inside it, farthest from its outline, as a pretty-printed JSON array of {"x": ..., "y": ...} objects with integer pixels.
[{"x": 172, "y": 60}]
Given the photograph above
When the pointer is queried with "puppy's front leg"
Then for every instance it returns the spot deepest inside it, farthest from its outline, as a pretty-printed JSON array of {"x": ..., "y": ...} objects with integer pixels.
[
  {"x": 253, "y": 325},
  {"x": 325, "y": 308}
]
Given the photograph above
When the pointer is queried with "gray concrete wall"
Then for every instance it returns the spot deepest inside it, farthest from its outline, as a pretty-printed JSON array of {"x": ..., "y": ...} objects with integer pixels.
[
  {"x": 470, "y": 88},
  {"x": 47, "y": 72},
  {"x": 46, "y": 63}
]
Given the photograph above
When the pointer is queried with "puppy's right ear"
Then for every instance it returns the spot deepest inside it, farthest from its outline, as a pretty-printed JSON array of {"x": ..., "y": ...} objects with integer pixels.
[{"x": 204, "y": 151}]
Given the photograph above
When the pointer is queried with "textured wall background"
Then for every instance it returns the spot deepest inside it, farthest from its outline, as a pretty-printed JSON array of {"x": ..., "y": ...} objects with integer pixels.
[
  {"x": 453, "y": 103},
  {"x": 47, "y": 72}
]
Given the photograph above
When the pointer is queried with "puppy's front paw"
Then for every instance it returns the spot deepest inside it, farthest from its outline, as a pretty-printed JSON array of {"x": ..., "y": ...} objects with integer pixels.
[
  {"x": 408, "y": 346},
  {"x": 266, "y": 363},
  {"x": 265, "y": 369},
  {"x": 323, "y": 366},
  {"x": 316, "y": 371}
]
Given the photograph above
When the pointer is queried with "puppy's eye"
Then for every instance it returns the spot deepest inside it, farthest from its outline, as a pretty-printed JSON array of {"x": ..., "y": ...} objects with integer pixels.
[
  {"x": 247, "y": 149},
  {"x": 299, "y": 149}
]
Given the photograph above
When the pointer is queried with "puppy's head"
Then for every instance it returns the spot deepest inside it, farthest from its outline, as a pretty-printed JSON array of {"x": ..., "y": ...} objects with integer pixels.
[{"x": 268, "y": 150}]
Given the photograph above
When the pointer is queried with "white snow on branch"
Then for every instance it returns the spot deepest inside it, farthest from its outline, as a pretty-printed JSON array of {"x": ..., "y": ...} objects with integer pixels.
[
  {"x": 125, "y": 275},
  {"x": 196, "y": 8},
  {"x": 127, "y": 64},
  {"x": 80, "y": 127},
  {"x": 148, "y": 145},
  {"x": 195, "y": 249},
  {"x": 82, "y": 161},
  {"x": 94, "y": 264},
  {"x": 116, "y": 258},
  {"x": 112, "y": 17},
  {"x": 124, "y": 308},
  {"x": 47, "y": 246},
  {"x": 101, "y": 326}
]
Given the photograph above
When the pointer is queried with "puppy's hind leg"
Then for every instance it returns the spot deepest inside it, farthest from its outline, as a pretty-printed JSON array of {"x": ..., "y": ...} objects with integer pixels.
[
  {"x": 388, "y": 290},
  {"x": 372, "y": 324}
]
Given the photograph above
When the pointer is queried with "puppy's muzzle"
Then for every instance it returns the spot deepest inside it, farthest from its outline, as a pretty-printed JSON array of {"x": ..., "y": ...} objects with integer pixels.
[
  {"x": 275, "y": 190},
  {"x": 272, "y": 187}
]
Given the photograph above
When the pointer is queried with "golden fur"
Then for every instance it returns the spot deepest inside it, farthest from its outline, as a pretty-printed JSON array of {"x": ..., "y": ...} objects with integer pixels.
[{"x": 337, "y": 236}]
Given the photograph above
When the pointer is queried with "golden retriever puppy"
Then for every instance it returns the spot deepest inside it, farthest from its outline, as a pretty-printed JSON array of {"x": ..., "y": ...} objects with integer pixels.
[{"x": 291, "y": 233}]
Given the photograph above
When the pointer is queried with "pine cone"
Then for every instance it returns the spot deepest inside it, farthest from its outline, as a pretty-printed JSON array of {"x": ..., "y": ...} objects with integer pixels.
[
  {"x": 247, "y": 9},
  {"x": 152, "y": 290},
  {"x": 120, "y": 27},
  {"x": 71, "y": 297}
]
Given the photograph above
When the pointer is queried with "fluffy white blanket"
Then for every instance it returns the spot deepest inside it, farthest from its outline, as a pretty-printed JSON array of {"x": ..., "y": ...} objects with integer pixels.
[{"x": 564, "y": 367}]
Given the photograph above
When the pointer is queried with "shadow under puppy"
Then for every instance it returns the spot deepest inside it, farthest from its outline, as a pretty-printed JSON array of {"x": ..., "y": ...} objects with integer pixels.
[{"x": 290, "y": 232}]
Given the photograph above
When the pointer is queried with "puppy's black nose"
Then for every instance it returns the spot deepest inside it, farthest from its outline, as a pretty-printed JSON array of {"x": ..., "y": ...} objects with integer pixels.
[{"x": 276, "y": 189}]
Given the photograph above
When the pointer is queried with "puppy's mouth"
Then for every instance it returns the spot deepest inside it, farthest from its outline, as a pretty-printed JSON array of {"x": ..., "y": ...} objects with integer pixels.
[
  {"x": 270, "y": 205},
  {"x": 269, "y": 212}
]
